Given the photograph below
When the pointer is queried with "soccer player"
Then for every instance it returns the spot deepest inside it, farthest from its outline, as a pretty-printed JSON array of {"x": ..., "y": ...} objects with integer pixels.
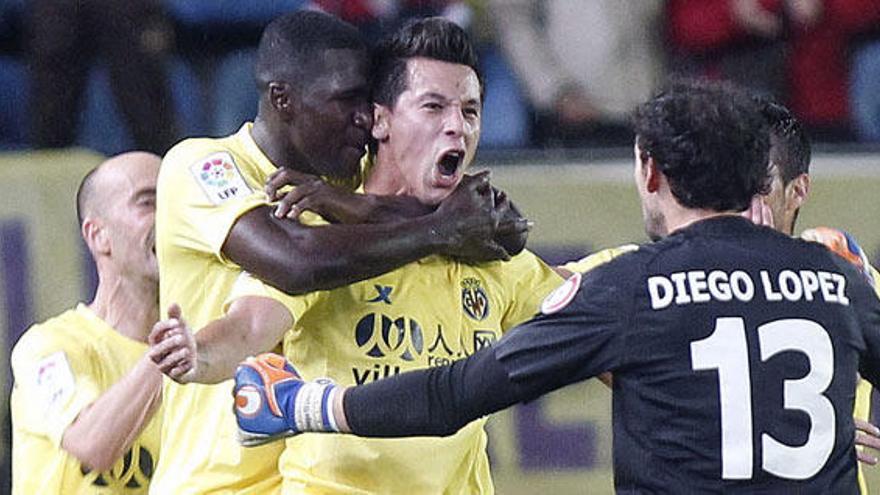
[
  {"x": 790, "y": 187},
  {"x": 428, "y": 313},
  {"x": 214, "y": 221},
  {"x": 85, "y": 392},
  {"x": 734, "y": 347}
]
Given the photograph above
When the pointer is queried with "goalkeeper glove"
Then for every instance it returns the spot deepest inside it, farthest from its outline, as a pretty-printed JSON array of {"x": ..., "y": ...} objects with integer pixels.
[
  {"x": 844, "y": 245},
  {"x": 273, "y": 402}
]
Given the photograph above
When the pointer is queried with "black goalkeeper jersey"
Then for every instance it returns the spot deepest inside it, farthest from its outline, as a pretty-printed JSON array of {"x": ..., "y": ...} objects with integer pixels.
[{"x": 734, "y": 350}]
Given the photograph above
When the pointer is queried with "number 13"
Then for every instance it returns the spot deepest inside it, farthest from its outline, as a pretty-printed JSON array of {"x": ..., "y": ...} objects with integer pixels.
[{"x": 725, "y": 350}]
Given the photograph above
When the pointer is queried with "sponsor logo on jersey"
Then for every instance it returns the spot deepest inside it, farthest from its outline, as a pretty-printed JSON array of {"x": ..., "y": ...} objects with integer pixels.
[
  {"x": 219, "y": 178},
  {"x": 383, "y": 294},
  {"x": 473, "y": 299},
  {"x": 484, "y": 338},
  {"x": 562, "y": 295},
  {"x": 132, "y": 472},
  {"x": 380, "y": 335}
]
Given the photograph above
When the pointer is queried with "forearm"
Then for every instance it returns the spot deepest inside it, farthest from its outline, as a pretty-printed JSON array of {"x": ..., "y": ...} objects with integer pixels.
[
  {"x": 252, "y": 326},
  {"x": 297, "y": 259},
  {"x": 104, "y": 430},
  {"x": 435, "y": 401}
]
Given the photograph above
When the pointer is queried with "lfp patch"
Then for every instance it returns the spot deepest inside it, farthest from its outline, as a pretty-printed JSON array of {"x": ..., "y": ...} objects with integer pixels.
[
  {"x": 55, "y": 381},
  {"x": 219, "y": 178},
  {"x": 563, "y": 295},
  {"x": 473, "y": 299}
]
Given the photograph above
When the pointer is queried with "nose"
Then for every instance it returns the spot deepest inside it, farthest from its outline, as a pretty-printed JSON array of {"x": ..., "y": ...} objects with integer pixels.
[{"x": 453, "y": 124}]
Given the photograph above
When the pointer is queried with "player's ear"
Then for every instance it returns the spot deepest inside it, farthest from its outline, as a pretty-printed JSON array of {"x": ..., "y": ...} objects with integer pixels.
[
  {"x": 381, "y": 124},
  {"x": 797, "y": 191},
  {"x": 95, "y": 235},
  {"x": 653, "y": 175},
  {"x": 280, "y": 97}
]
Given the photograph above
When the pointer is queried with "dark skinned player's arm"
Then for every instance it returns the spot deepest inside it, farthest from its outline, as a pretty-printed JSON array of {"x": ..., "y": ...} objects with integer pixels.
[
  {"x": 296, "y": 258},
  {"x": 339, "y": 205}
]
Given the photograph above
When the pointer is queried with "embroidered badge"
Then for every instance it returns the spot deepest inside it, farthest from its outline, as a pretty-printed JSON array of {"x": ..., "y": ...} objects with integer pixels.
[
  {"x": 473, "y": 299},
  {"x": 562, "y": 295},
  {"x": 219, "y": 178}
]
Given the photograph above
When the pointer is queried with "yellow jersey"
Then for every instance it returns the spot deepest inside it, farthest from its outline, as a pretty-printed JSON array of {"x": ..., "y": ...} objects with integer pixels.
[
  {"x": 204, "y": 186},
  {"x": 427, "y": 313},
  {"x": 863, "y": 392},
  {"x": 61, "y": 366}
]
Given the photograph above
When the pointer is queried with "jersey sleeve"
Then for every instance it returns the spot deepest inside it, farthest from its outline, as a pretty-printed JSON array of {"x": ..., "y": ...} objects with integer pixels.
[
  {"x": 54, "y": 381},
  {"x": 598, "y": 258},
  {"x": 202, "y": 193},
  {"x": 581, "y": 332},
  {"x": 248, "y": 285},
  {"x": 533, "y": 281},
  {"x": 868, "y": 310}
]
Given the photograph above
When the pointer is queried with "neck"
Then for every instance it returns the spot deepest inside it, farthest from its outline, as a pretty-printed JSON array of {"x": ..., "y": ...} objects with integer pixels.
[
  {"x": 130, "y": 308},
  {"x": 385, "y": 178},
  {"x": 269, "y": 143},
  {"x": 679, "y": 217}
]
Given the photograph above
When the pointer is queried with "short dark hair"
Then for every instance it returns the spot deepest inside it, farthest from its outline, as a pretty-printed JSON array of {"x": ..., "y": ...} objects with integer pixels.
[
  {"x": 430, "y": 37},
  {"x": 711, "y": 142},
  {"x": 290, "y": 42},
  {"x": 789, "y": 144}
]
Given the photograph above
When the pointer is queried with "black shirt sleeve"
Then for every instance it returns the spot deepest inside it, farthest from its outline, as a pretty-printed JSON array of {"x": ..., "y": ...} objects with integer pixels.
[{"x": 580, "y": 339}]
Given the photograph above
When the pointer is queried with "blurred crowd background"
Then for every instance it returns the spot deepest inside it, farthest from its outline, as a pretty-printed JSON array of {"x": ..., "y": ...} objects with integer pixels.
[{"x": 114, "y": 75}]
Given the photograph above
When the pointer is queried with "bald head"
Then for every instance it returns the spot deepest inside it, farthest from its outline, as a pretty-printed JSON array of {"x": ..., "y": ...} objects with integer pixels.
[{"x": 105, "y": 185}]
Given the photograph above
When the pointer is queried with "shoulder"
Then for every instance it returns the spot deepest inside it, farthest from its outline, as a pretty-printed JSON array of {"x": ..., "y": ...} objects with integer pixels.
[
  {"x": 587, "y": 263},
  {"x": 60, "y": 333}
]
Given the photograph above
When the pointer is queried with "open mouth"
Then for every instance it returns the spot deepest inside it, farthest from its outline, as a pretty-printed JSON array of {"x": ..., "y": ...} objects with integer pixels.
[{"x": 450, "y": 162}]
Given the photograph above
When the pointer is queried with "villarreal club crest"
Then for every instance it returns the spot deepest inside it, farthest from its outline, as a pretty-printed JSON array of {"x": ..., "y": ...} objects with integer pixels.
[{"x": 473, "y": 299}]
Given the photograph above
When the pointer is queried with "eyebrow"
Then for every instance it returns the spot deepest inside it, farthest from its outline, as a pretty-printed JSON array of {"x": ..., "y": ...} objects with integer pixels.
[
  {"x": 434, "y": 95},
  {"x": 147, "y": 191}
]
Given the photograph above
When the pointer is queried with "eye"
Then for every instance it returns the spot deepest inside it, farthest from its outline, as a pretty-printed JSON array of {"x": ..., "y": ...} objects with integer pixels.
[
  {"x": 471, "y": 112},
  {"x": 432, "y": 105}
]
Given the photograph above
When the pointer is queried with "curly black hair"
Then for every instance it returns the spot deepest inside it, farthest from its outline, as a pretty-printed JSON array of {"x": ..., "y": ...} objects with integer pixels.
[
  {"x": 789, "y": 144},
  {"x": 431, "y": 37},
  {"x": 710, "y": 140}
]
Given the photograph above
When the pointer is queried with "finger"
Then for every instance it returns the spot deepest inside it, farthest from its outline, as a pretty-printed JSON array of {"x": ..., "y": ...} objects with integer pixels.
[
  {"x": 176, "y": 359},
  {"x": 496, "y": 252},
  {"x": 518, "y": 226},
  {"x": 161, "y": 329},
  {"x": 178, "y": 373},
  {"x": 866, "y": 458},
  {"x": 866, "y": 427},
  {"x": 161, "y": 350},
  {"x": 174, "y": 311},
  {"x": 285, "y": 177},
  {"x": 306, "y": 204},
  {"x": 290, "y": 200},
  {"x": 867, "y": 441},
  {"x": 480, "y": 179}
]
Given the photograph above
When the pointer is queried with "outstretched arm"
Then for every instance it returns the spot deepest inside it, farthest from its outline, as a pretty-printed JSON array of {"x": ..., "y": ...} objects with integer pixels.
[{"x": 251, "y": 326}]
